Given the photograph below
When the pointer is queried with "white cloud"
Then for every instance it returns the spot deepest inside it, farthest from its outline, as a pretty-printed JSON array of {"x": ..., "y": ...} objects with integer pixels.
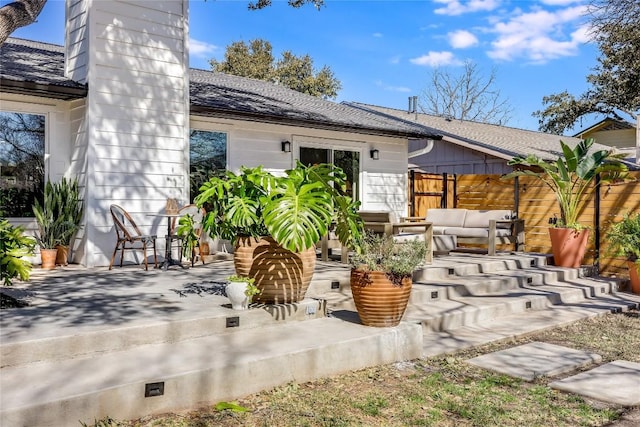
[
  {"x": 457, "y": 7},
  {"x": 436, "y": 59},
  {"x": 539, "y": 35},
  {"x": 377, "y": 35},
  {"x": 201, "y": 49},
  {"x": 462, "y": 39},
  {"x": 394, "y": 60},
  {"x": 387, "y": 87}
]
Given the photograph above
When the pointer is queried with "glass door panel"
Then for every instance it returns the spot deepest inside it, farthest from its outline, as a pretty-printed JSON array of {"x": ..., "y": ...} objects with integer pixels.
[{"x": 349, "y": 162}]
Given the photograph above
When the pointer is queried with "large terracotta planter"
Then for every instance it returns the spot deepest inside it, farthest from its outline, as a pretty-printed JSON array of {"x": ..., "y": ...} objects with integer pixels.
[
  {"x": 48, "y": 258},
  {"x": 568, "y": 246},
  {"x": 634, "y": 277},
  {"x": 281, "y": 276},
  {"x": 379, "y": 301}
]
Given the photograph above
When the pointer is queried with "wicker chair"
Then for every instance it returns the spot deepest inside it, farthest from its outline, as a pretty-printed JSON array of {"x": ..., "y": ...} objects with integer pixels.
[{"x": 129, "y": 237}]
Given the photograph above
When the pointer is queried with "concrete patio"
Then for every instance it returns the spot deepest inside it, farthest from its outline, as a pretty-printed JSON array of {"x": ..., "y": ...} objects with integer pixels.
[{"x": 129, "y": 342}]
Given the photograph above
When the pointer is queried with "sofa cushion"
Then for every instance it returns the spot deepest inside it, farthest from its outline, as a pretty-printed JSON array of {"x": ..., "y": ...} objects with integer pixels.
[
  {"x": 438, "y": 230},
  {"x": 467, "y": 232},
  {"x": 446, "y": 217},
  {"x": 477, "y": 219}
]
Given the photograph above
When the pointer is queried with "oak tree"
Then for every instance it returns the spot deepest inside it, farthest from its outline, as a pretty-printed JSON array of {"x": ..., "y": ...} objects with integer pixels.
[{"x": 615, "y": 82}]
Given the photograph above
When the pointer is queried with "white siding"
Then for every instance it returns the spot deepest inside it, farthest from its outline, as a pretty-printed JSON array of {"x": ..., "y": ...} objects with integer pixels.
[
  {"x": 383, "y": 182},
  {"x": 135, "y": 131}
]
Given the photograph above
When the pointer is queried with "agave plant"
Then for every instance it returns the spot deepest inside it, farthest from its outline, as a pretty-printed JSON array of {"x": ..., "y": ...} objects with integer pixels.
[
  {"x": 296, "y": 209},
  {"x": 571, "y": 175}
]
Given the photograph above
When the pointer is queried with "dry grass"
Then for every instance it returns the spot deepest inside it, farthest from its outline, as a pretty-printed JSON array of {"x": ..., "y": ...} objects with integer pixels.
[{"x": 441, "y": 391}]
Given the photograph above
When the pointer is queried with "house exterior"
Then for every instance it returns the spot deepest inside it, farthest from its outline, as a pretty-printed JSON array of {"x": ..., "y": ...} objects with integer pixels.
[
  {"x": 620, "y": 134},
  {"x": 471, "y": 147},
  {"x": 121, "y": 110}
]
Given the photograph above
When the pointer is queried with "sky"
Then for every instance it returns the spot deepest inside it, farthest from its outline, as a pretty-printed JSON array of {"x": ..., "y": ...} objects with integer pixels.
[{"x": 384, "y": 51}]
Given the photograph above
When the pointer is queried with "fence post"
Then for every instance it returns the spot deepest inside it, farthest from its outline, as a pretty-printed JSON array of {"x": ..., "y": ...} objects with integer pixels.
[
  {"x": 596, "y": 225},
  {"x": 445, "y": 191},
  {"x": 412, "y": 191}
]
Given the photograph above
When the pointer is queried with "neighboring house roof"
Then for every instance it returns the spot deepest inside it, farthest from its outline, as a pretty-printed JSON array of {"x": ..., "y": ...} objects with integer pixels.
[
  {"x": 608, "y": 123},
  {"x": 499, "y": 141},
  {"x": 36, "y": 68}
]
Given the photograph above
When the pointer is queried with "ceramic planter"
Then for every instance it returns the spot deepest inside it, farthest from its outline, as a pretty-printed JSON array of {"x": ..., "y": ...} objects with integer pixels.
[
  {"x": 236, "y": 292},
  {"x": 281, "y": 276},
  {"x": 379, "y": 301},
  {"x": 568, "y": 246}
]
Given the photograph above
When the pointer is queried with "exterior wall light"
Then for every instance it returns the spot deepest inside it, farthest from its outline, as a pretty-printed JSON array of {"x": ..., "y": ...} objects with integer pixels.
[
  {"x": 286, "y": 147},
  {"x": 375, "y": 154}
]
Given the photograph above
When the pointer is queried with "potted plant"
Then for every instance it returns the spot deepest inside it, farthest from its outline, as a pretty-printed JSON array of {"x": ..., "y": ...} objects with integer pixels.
[
  {"x": 68, "y": 209},
  {"x": 14, "y": 246},
  {"x": 570, "y": 176},
  {"x": 58, "y": 219},
  {"x": 381, "y": 277},
  {"x": 274, "y": 223},
  {"x": 624, "y": 241},
  {"x": 240, "y": 291}
]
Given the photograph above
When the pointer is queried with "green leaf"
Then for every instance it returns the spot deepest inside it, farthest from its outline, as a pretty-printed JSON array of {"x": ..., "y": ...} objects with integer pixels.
[{"x": 231, "y": 406}]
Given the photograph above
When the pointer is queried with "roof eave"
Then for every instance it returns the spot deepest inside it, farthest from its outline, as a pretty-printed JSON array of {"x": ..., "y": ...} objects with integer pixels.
[
  {"x": 308, "y": 123},
  {"x": 65, "y": 93}
]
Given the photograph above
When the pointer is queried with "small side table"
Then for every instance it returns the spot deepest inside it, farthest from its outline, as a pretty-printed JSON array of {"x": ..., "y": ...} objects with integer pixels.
[{"x": 168, "y": 259}]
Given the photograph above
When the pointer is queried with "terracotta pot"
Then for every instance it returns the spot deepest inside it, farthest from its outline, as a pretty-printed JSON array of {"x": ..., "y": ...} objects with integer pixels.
[
  {"x": 281, "y": 276},
  {"x": 568, "y": 246},
  {"x": 204, "y": 249},
  {"x": 48, "y": 257},
  {"x": 634, "y": 277},
  {"x": 62, "y": 255},
  {"x": 379, "y": 301}
]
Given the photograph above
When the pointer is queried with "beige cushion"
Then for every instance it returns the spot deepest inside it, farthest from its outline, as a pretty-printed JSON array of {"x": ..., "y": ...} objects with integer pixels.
[
  {"x": 478, "y": 219},
  {"x": 446, "y": 217},
  {"x": 467, "y": 232}
]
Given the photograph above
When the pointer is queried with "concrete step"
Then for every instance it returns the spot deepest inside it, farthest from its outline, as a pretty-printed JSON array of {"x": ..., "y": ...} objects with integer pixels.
[
  {"x": 43, "y": 343},
  {"x": 521, "y": 324},
  {"x": 194, "y": 372},
  {"x": 449, "y": 305}
]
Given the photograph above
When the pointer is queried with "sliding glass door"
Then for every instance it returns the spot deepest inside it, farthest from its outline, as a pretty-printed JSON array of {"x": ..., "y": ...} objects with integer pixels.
[{"x": 347, "y": 160}]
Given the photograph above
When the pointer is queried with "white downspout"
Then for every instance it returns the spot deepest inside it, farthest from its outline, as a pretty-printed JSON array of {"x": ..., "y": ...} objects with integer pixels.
[{"x": 425, "y": 150}]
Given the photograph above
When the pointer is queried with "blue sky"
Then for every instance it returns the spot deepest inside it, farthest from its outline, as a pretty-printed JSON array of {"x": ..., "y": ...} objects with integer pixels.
[{"x": 383, "y": 51}]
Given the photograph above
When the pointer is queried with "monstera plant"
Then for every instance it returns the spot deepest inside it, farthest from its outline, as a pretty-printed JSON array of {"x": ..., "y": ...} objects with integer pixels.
[
  {"x": 275, "y": 222},
  {"x": 570, "y": 176}
]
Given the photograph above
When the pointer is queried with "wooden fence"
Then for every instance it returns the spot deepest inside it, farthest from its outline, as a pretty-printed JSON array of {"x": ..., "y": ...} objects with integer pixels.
[{"x": 536, "y": 204}]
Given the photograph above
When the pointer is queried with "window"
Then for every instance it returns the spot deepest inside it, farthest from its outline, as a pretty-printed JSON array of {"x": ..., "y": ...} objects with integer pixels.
[
  {"x": 22, "y": 139},
  {"x": 207, "y": 157},
  {"x": 347, "y": 160}
]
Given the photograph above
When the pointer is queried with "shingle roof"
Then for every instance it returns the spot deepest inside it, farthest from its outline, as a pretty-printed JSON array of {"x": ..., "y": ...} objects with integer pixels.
[
  {"x": 38, "y": 68},
  {"x": 500, "y": 141}
]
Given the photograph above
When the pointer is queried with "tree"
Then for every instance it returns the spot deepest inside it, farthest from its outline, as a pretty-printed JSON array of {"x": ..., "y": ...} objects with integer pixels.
[
  {"x": 466, "y": 96},
  {"x": 615, "y": 83},
  {"x": 255, "y": 60},
  {"x": 20, "y": 13}
]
